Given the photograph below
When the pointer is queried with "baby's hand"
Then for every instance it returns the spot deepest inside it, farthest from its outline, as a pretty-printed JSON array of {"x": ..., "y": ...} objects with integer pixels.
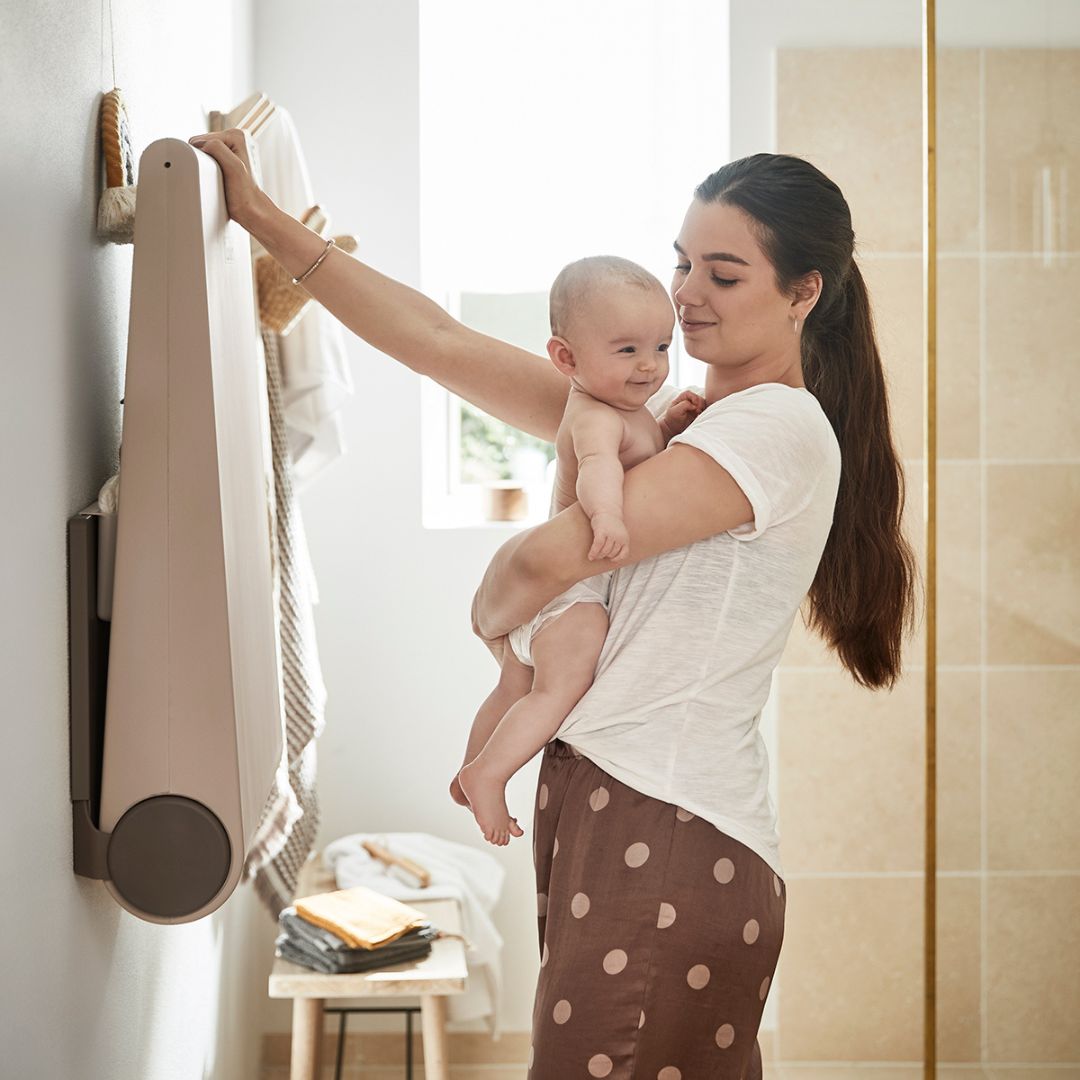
[
  {"x": 610, "y": 538},
  {"x": 681, "y": 412}
]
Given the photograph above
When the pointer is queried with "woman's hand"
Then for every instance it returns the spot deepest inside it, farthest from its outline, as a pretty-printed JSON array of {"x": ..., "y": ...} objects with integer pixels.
[{"x": 244, "y": 198}]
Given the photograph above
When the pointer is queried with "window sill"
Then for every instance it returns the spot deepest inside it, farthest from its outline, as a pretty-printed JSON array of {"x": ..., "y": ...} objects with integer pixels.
[{"x": 464, "y": 510}]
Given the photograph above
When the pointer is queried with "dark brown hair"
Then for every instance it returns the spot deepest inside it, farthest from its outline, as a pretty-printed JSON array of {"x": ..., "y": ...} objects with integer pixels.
[{"x": 862, "y": 597}]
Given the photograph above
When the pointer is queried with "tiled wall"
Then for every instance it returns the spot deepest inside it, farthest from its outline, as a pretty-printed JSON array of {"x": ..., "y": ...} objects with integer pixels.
[{"x": 851, "y": 762}]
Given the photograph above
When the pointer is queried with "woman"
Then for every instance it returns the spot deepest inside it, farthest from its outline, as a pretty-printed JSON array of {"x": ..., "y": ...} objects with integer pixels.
[{"x": 660, "y": 890}]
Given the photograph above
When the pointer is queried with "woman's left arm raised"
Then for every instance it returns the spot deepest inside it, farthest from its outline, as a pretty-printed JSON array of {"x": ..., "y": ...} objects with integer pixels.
[{"x": 675, "y": 498}]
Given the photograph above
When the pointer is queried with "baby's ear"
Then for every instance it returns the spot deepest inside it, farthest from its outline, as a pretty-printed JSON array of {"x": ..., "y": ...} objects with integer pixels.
[{"x": 562, "y": 355}]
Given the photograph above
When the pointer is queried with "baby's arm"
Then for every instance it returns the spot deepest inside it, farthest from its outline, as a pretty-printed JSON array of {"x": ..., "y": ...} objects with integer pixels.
[
  {"x": 676, "y": 419},
  {"x": 598, "y": 433}
]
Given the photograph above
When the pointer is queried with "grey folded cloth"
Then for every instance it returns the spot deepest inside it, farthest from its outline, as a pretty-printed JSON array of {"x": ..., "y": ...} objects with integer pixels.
[{"x": 316, "y": 947}]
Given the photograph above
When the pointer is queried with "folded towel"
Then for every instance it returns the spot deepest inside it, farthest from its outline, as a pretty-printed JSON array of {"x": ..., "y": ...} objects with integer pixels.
[
  {"x": 361, "y": 917},
  {"x": 370, "y": 960}
]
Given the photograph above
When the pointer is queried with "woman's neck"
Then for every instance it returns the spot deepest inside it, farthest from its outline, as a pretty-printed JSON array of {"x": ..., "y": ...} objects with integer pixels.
[{"x": 719, "y": 382}]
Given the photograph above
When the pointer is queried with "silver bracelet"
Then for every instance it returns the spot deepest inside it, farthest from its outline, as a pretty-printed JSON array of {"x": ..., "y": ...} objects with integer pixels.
[{"x": 326, "y": 251}]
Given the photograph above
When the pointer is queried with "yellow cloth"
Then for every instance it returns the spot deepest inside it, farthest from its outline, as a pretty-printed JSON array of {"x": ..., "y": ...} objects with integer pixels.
[{"x": 361, "y": 917}]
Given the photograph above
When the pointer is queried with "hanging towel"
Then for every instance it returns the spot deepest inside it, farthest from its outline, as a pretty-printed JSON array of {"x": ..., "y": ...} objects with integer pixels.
[
  {"x": 466, "y": 874},
  {"x": 315, "y": 375},
  {"x": 286, "y": 831}
]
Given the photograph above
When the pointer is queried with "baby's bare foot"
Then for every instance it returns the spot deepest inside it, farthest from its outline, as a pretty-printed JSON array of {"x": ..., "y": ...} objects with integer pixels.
[
  {"x": 456, "y": 792},
  {"x": 487, "y": 799}
]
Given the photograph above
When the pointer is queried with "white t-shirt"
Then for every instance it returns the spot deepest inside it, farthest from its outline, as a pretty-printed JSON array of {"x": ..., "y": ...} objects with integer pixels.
[{"x": 695, "y": 633}]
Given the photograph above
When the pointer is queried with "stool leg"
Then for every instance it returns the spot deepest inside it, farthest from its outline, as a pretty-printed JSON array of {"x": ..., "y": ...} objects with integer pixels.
[
  {"x": 433, "y": 1021},
  {"x": 307, "y": 1028}
]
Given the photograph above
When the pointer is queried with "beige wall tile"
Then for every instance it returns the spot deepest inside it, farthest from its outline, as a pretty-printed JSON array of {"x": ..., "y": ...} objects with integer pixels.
[
  {"x": 958, "y": 969},
  {"x": 958, "y": 150},
  {"x": 1033, "y": 973},
  {"x": 1032, "y": 124},
  {"x": 958, "y": 339},
  {"x": 850, "y": 774},
  {"x": 1033, "y": 747},
  {"x": 850, "y": 972},
  {"x": 1036, "y": 1073},
  {"x": 1032, "y": 373},
  {"x": 896, "y": 291},
  {"x": 867, "y": 143},
  {"x": 1033, "y": 572},
  {"x": 959, "y": 779},
  {"x": 959, "y": 562}
]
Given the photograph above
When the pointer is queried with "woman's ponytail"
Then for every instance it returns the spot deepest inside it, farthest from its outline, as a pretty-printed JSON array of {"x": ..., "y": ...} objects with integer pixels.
[{"x": 862, "y": 598}]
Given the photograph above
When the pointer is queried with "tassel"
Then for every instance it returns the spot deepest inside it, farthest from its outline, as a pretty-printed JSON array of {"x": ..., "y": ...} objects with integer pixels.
[{"x": 116, "y": 215}]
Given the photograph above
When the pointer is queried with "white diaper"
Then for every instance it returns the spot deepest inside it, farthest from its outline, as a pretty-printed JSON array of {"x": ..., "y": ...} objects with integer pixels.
[{"x": 592, "y": 590}]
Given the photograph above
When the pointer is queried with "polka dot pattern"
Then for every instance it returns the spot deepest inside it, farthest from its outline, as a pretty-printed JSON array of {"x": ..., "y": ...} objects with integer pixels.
[
  {"x": 725, "y": 1036},
  {"x": 615, "y": 961},
  {"x": 698, "y": 976},
  {"x": 669, "y": 1072},
  {"x": 723, "y": 870},
  {"x": 600, "y": 1065},
  {"x": 599, "y": 799},
  {"x": 637, "y": 854},
  {"x": 561, "y": 1013},
  {"x": 579, "y": 906},
  {"x": 666, "y": 916}
]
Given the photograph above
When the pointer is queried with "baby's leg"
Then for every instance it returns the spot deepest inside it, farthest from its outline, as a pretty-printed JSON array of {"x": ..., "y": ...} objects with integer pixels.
[
  {"x": 515, "y": 681},
  {"x": 565, "y": 652}
]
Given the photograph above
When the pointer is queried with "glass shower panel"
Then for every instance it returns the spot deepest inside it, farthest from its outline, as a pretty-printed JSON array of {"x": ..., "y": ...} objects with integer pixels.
[{"x": 1008, "y": 525}]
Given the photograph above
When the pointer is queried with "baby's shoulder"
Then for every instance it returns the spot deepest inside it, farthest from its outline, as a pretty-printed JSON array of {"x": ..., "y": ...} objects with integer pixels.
[{"x": 588, "y": 416}]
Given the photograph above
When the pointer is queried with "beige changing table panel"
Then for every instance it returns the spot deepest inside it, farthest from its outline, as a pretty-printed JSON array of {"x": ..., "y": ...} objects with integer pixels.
[{"x": 443, "y": 971}]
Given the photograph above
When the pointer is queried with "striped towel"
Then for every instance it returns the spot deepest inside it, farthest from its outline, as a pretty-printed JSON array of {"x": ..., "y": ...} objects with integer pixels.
[{"x": 285, "y": 835}]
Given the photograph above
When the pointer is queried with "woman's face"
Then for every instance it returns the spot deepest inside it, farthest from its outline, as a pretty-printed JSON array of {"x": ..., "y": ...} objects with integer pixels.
[{"x": 725, "y": 294}]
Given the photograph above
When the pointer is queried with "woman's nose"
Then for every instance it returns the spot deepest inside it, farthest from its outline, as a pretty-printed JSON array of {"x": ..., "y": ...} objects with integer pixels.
[{"x": 686, "y": 295}]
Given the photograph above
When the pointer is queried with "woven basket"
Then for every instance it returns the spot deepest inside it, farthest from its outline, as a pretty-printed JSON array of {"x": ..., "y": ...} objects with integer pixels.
[{"x": 281, "y": 303}]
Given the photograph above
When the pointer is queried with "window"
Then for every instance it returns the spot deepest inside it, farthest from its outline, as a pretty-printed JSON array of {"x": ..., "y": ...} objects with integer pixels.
[{"x": 549, "y": 131}]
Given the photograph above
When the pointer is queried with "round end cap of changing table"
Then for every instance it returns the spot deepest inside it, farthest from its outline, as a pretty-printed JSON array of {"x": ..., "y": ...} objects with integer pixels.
[{"x": 169, "y": 856}]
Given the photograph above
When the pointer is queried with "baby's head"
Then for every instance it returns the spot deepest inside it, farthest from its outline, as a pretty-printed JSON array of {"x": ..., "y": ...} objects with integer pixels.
[{"x": 611, "y": 326}]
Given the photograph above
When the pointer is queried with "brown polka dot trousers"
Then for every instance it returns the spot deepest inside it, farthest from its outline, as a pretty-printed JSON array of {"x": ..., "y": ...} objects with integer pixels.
[{"x": 659, "y": 934}]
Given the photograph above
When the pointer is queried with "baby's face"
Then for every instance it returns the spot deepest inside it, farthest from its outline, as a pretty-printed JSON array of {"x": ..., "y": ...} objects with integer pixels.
[{"x": 620, "y": 338}]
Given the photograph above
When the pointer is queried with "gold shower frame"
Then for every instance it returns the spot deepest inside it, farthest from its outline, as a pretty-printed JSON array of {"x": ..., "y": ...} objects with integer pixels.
[{"x": 929, "y": 101}]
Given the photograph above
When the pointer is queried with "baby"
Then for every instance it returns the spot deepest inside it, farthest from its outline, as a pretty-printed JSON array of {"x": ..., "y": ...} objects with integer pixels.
[{"x": 611, "y": 325}]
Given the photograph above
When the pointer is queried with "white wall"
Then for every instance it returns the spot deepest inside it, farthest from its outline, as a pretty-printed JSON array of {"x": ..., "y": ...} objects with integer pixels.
[{"x": 86, "y": 989}]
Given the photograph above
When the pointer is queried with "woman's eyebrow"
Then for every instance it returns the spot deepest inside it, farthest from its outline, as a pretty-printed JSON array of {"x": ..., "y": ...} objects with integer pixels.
[{"x": 715, "y": 256}]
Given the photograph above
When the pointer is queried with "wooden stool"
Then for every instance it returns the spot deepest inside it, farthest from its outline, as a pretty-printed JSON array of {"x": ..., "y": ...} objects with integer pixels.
[{"x": 443, "y": 971}]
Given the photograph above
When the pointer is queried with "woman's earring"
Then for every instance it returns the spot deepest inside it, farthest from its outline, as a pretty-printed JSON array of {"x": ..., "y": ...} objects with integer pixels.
[{"x": 795, "y": 328}]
